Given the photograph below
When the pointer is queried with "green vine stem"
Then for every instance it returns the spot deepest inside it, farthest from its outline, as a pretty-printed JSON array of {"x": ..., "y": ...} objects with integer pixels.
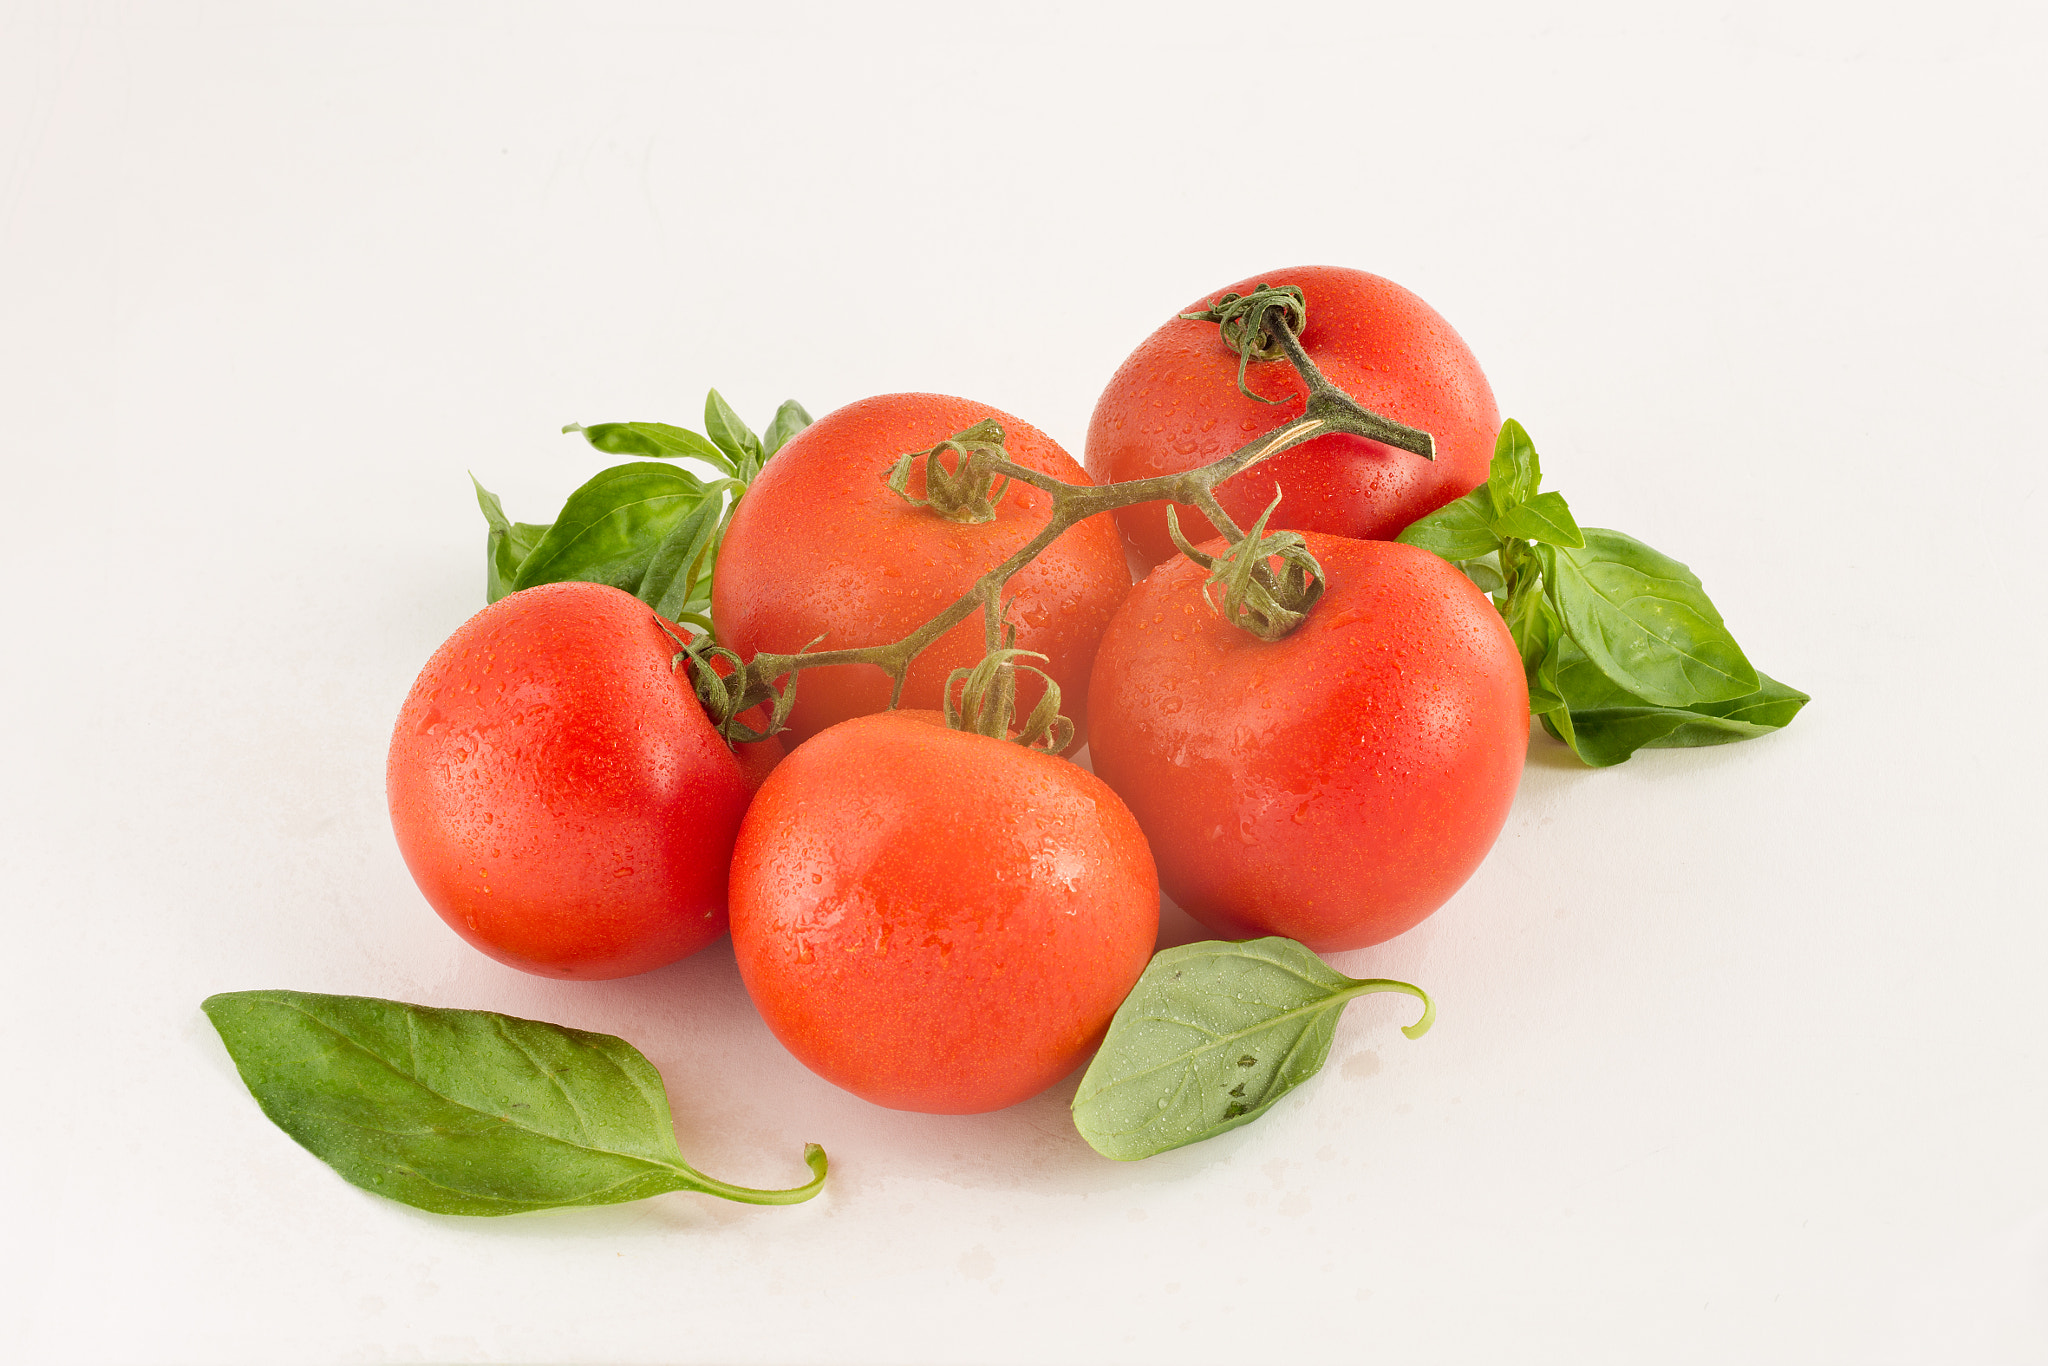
[{"x": 1257, "y": 599}]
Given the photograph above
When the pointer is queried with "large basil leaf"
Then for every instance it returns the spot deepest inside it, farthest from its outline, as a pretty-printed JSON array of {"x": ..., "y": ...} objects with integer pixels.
[
  {"x": 1213, "y": 1034},
  {"x": 465, "y": 1111},
  {"x": 1606, "y": 723},
  {"x": 657, "y": 439},
  {"x": 1460, "y": 530},
  {"x": 610, "y": 528},
  {"x": 1643, "y": 618},
  {"x": 506, "y": 545}
]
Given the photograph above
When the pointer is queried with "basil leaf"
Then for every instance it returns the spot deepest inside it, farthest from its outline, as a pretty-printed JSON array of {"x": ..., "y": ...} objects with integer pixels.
[
  {"x": 1484, "y": 575},
  {"x": 1546, "y": 518},
  {"x": 657, "y": 439},
  {"x": 1212, "y": 1035},
  {"x": 1515, "y": 473},
  {"x": 1606, "y": 723},
  {"x": 1460, "y": 530},
  {"x": 609, "y": 529},
  {"x": 733, "y": 436},
  {"x": 1643, "y": 618},
  {"x": 1536, "y": 631},
  {"x": 465, "y": 1111},
  {"x": 789, "y": 419},
  {"x": 682, "y": 562},
  {"x": 505, "y": 547}
]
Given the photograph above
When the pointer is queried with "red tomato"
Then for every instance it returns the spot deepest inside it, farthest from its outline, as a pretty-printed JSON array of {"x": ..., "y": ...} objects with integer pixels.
[
  {"x": 820, "y": 546},
  {"x": 1334, "y": 786},
  {"x": 558, "y": 792},
  {"x": 936, "y": 920},
  {"x": 1175, "y": 405}
]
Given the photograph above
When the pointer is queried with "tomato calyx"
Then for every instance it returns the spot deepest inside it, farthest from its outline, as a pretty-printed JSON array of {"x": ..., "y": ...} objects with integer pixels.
[
  {"x": 963, "y": 492},
  {"x": 1242, "y": 320},
  {"x": 988, "y": 701},
  {"x": 1255, "y": 599},
  {"x": 1266, "y": 325},
  {"x": 730, "y": 693}
]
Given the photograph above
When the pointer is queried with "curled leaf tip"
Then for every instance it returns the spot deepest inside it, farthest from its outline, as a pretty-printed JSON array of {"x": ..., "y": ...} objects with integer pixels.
[{"x": 572, "y": 427}]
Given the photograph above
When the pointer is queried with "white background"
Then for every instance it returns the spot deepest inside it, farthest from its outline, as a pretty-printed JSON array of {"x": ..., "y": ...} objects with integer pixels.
[{"x": 1740, "y": 1055}]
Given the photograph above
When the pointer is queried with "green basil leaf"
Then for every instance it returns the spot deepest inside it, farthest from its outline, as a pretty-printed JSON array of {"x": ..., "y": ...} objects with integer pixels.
[
  {"x": 1460, "y": 530},
  {"x": 506, "y": 546},
  {"x": 1212, "y": 1035},
  {"x": 682, "y": 562},
  {"x": 1643, "y": 618},
  {"x": 733, "y": 436},
  {"x": 465, "y": 1111},
  {"x": 1607, "y": 723},
  {"x": 1515, "y": 473},
  {"x": 610, "y": 528},
  {"x": 1546, "y": 518},
  {"x": 789, "y": 419},
  {"x": 1536, "y": 631},
  {"x": 657, "y": 439}
]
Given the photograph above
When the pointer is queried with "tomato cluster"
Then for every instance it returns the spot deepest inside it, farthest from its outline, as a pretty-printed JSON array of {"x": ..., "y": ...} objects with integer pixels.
[{"x": 943, "y": 920}]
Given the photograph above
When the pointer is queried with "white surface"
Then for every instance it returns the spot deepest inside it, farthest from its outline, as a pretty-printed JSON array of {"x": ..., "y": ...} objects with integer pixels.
[{"x": 1740, "y": 1055}]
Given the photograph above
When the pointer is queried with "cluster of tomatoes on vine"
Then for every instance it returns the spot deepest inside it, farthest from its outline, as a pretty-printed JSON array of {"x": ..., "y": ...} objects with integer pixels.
[{"x": 823, "y": 697}]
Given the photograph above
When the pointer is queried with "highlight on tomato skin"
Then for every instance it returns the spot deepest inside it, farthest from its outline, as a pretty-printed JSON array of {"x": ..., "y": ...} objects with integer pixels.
[
  {"x": 1175, "y": 405},
  {"x": 1334, "y": 786},
  {"x": 822, "y": 547},
  {"x": 936, "y": 920},
  {"x": 558, "y": 793}
]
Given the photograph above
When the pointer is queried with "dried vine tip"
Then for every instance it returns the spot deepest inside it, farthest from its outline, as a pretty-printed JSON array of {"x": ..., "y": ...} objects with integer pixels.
[
  {"x": 987, "y": 703},
  {"x": 1255, "y": 599},
  {"x": 1242, "y": 319},
  {"x": 968, "y": 491}
]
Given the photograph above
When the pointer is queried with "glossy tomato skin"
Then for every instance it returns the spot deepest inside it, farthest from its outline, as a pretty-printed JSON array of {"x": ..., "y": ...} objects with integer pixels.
[
  {"x": 559, "y": 794},
  {"x": 821, "y": 547},
  {"x": 1175, "y": 405},
  {"x": 935, "y": 920},
  {"x": 1334, "y": 786}
]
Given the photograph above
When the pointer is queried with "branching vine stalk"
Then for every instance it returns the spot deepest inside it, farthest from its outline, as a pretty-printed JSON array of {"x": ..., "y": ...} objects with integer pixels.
[{"x": 1262, "y": 326}]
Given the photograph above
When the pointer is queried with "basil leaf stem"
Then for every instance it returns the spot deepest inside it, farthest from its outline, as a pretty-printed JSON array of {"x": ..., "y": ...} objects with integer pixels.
[
  {"x": 1212, "y": 1035},
  {"x": 466, "y": 1111}
]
